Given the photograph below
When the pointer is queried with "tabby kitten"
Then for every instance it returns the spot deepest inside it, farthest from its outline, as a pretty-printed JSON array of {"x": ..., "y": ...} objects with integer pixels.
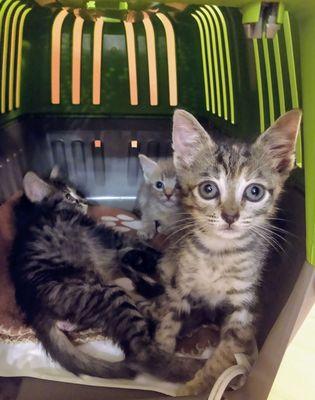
[
  {"x": 157, "y": 197},
  {"x": 64, "y": 266},
  {"x": 229, "y": 194}
]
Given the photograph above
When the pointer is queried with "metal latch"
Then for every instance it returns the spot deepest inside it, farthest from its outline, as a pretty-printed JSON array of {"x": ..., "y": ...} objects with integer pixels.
[{"x": 262, "y": 18}]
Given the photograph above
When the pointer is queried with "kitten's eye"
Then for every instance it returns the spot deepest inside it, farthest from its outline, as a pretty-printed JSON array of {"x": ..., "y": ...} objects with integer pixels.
[
  {"x": 159, "y": 185},
  {"x": 70, "y": 198},
  {"x": 254, "y": 192},
  {"x": 208, "y": 190}
]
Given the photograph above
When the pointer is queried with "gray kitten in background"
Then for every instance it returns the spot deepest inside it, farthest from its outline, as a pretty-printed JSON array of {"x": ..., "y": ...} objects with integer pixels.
[
  {"x": 229, "y": 194},
  {"x": 157, "y": 198}
]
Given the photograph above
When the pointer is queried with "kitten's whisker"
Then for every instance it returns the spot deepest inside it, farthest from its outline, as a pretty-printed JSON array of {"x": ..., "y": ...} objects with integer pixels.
[
  {"x": 278, "y": 219},
  {"x": 266, "y": 239},
  {"x": 183, "y": 213},
  {"x": 269, "y": 230},
  {"x": 270, "y": 240},
  {"x": 182, "y": 223},
  {"x": 284, "y": 231},
  {"x": 182, "y": 238},
  {"x": 180, "y": 230},
  {"x": 184, "y": 219},
  {"x": 256, "y": 230}
]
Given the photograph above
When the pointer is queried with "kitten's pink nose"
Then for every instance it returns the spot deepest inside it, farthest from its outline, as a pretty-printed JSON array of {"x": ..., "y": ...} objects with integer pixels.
[
  {"x": 230, "y": 216},
  {"x": 168, "y": 194}
]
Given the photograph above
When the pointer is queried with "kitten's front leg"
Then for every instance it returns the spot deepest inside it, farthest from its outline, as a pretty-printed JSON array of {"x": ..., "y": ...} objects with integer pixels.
[
  {"x": 148, "y": 229},
  {"x": 171, "y": 323},
  {"x": 237, "y": 336}
]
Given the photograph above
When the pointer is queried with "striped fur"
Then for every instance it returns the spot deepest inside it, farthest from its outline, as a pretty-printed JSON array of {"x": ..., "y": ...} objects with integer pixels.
[
  {"x": 64, "y": 267},
  {"x": 217, "y": 259}
]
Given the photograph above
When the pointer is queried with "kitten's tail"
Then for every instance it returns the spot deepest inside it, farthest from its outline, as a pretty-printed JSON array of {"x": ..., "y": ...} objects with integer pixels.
[
  {"x": 59, "y": 347},
  {"x": 150, "y": 359}
]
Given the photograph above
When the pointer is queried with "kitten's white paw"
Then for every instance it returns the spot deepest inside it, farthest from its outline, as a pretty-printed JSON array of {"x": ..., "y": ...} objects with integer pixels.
[
  {"x": 146, "y": 235},
  {"x": 66, "y": 326},
  {"x": 125, "y": 283}
]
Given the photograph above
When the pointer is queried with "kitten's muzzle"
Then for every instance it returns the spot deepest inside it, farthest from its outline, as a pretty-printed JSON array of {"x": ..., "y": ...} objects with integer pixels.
[
  {"x": 168, "y": 193},
  {"x": 169, "y": 199}
]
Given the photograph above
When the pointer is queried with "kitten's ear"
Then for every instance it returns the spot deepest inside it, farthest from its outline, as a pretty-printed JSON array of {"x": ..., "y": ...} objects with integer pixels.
[
  {"x": 55, "y": 172},
  {"x": 280, "y": 139},
  {"x": 189, "y": 138},
  {"x": 148, "y": 166},
  {"x": 35, "y": 188}
]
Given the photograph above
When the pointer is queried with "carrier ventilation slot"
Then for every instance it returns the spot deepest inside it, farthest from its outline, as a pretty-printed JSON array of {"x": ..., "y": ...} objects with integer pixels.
[
  {"x": 151, "y": 51},
  {"x": 98, "y": 62},
  {"x": 76, "y": 60},
  {"x": 12, "y": 19},
  {"x": 132, "y": 63},
  {"x": 171, "y": 58},
  {"x": 216, "y": 61},
  {"x": 56, "y": 56},
  {"x": 275, "y": 60}
]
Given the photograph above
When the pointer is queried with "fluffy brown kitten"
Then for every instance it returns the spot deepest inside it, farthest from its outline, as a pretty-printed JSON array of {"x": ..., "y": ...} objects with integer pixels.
[
  {"x": 229, "y": 194},
  {"x": 157, "y": 197}
]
